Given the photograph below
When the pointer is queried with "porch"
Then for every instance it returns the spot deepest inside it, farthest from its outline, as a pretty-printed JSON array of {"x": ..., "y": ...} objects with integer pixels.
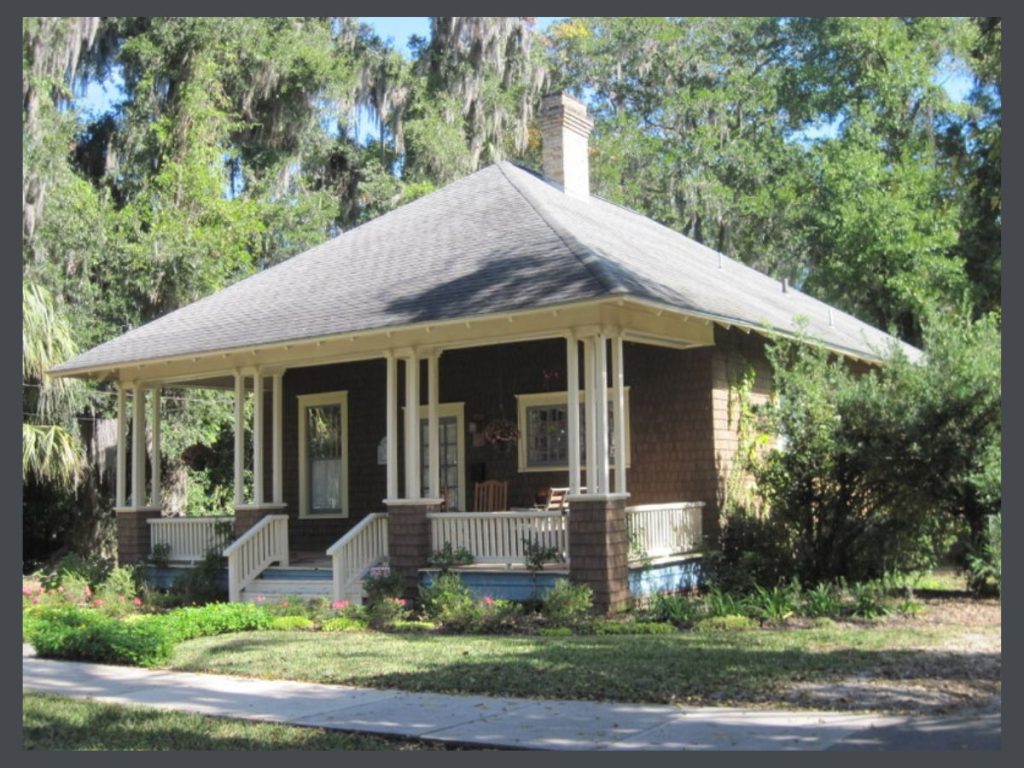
[{"x": 503, "y": 545}]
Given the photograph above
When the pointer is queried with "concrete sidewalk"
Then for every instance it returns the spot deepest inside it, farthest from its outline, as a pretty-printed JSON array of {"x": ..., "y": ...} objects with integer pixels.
[{"x": 479, "y": 720}]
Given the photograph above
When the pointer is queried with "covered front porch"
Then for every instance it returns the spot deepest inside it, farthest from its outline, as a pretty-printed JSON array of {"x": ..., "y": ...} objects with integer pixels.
[{"x": 389, "y": 498}]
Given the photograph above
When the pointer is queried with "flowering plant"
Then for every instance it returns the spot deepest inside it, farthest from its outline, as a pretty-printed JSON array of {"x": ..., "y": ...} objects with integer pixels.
[{"x": 501, "y": 432}]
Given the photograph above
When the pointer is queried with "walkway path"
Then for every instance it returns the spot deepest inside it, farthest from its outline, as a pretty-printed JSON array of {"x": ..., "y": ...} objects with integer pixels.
[{"x": 501, "y": 721}]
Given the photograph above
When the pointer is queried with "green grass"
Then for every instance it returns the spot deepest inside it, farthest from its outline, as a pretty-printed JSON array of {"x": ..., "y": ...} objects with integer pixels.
[
  {"x": 60, "y": 723},
  {"x": 689, "y": 667}
]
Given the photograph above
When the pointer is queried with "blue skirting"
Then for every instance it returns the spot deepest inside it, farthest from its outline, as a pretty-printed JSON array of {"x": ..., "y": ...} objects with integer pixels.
[
  {"x": 672, "y": 576},
  {"x": 163, "y": 578},
  {"x": 502, "y": 584}
]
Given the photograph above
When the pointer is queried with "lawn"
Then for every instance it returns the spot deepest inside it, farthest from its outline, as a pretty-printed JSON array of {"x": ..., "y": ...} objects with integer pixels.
[
  {"x": 59, "y": 723},
  {"x": 951, "y": 653}
]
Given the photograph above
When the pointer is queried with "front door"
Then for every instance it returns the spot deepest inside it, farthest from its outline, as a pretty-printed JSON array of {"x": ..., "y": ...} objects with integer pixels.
[{"x": 451, "y": 445}]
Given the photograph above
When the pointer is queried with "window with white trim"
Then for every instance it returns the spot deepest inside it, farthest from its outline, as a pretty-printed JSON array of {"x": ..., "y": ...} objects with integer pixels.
[
  {"x": 544, "y": 431},
  {"x": 323, "y": 454}
]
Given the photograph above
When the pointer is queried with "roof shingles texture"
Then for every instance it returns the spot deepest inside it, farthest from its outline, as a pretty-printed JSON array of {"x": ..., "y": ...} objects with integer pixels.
[{"x": 499, "y": 240}]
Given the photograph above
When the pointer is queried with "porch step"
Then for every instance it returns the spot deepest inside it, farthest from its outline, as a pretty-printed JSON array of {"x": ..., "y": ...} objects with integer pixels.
[{"x": 274, "y": 588}]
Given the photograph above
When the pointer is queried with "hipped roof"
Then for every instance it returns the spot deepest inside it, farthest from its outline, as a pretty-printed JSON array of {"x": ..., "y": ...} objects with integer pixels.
[{"x": 502, "y": 239}]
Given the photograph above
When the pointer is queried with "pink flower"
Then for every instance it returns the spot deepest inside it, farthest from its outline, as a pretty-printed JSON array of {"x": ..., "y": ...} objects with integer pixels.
[
  {"x": 340, "y": 604},
  {"x": 488, "y": 600},
  {"x": 35, "y": 600},
  {"x": 137, "y": 602},
  {"x": 26, "y": 591},
  {"x": 260, "y": 599},
  {"x": 97, "y": 602},
  {"x": 284, "y": 603},
  {"x": 88, "y": 592},
  {"x": 120, "y": 598}
]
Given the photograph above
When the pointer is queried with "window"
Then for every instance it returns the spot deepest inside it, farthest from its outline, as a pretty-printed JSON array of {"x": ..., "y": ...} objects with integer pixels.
[
  {"x": 544, "y": 431},
  {"x": 323, "y": 455}
]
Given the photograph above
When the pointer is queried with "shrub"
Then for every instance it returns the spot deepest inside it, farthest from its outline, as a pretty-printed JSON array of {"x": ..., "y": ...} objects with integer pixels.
[
  {"x": 985, "y": 568},
  {"x": 719, "y": 603},
  {"x": 554, "y": 632},
  {"x": 405, "y": 625},
  {"x": 775, "y": 604},
  {"x": 607, "y": 627},
  {"x": 216, "y": 619},
  {"x": 291, "y": 623},
  {"x": 86, "y": 635},
  {"x": 387, "y": 585},
  {"x": 386, "y": 611},
  {"x": 567, "y": 604},
  {"x": 679, "y": 610},
  {"x": 823, "y": 600},
  {"x": 447, "y": 557},
  {"x": 343, "y": 624},
  {"x": 450, "y": 602},
  {"x": 868, "y": 600},
  {"x": 200, "y": 584},
  {"x": 497, "y": 616},
  {"x": 726, "y": 624},
  {"x": 160, "y": 555},
  {"x": 91, "y": 570},
  {"x": 118, "y": 594}
]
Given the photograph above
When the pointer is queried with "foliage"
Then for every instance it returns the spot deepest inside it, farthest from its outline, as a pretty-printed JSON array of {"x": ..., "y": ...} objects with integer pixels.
[
  {"x": 824, "y": 599},
  {"x": 609, "y": 627},
  {"x": 449, "y": 601},
  {"x": 383, "y": 613},
  {"x": 386, "y": 585},
  {"x": 726, "y": 623},
  {"x": 775, "y": 604},
  {"x": 200, "y": 584},
  {"x": 868, "y": 600},
  {"x": 160, "y": 555},
  {"x": 720, "y": 603},
  {"x": 79, "y": 634},
  {"x": 448, "y": 557},
  {"x": 291, "y": 623},
  {"x": 567, "y": 604},
  {"x": 343, "y": 624},
  {"x": 92, "y": 570},
  {"x": 536, "y": 555},
  {"x": 678, "y": 610},
  {"x": 986, "y": 567},
  {"x": 214, "y": 619}
]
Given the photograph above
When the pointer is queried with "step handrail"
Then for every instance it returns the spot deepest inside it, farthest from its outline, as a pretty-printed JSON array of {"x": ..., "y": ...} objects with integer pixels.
[
  {"x": 363, "y": 546},
  {"x": 252, "y": 552}
]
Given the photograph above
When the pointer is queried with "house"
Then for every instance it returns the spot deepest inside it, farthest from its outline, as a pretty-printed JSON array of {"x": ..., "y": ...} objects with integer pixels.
[{"x": 466, "y": 337}]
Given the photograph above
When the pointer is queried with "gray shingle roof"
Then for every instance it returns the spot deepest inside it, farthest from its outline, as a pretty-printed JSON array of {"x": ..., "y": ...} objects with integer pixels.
[{"x": 481, "y": 245}]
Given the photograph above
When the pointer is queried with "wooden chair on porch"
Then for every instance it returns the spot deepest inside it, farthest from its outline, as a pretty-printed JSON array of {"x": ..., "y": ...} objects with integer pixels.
[{"x": 491, "y": 496}]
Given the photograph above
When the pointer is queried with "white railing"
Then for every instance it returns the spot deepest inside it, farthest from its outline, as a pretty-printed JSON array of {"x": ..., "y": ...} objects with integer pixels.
[
  {"x": 188, "y": 539},
  {"x": 659, "y": 530},
  {"x": 263, "y": 544},
  {"x": 357, "y": 550},
  {"x": 497, "y": 537}
]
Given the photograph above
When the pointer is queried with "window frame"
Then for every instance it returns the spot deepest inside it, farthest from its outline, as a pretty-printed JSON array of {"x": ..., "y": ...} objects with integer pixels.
[
  {"x": 530, "y": 400},
  {"x": 339, "y": 398}
]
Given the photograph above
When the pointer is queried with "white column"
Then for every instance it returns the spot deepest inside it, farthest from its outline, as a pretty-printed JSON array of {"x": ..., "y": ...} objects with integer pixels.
[
  {"x": 392, "y": 425},
  {"x": 619, "y": 412},
  {"x": 433, "y": 428},
  {"x": 257, "y": 436},
  {"x": 239, "y": 436},
  {"x": 412, "y": 427},
  {"x": 572, "y": 383},
  {"x": 122, "y": 448},
  {"x": 138, "y": 446},
  {"x": 590, "y": 399},
  {"x": 601, "y": 405},
  {"x": 154, "y": 456},
  {"x": 277, "y": 458}
]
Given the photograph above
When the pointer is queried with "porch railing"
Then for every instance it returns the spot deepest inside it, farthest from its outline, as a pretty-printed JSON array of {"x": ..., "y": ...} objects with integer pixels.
[
  {"x": 357, "y": 550},
  {"x": 251, "y": 554},
  {"x": 660, "y": 530},
  {"x": 498, "y": 537},
  {"x": 189, "y": 539}
]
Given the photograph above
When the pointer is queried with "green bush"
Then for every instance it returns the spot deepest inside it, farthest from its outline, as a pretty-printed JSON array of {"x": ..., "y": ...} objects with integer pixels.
[
  {"x": 775, "y": 604},
  {"x": 499, "y": 616},
  {"x": 216, "y": 619},
  {"x": 567, "y": 604},
  {"x": 405, "y": 625},
  {"x": 450, "y": 602},
  {"x": 291, "y": 623},
  {"x": 679, "y": 610},
  {"x": 985, "y": 568},
  {"x": 343, "y": 624},
  {"x": 91, "y": 570},
  {"x": 607, "y": 627},
  {"x": 385, "y": 612},
  {"x": 200, "y": 584},
  {"x": 720, "y": 603},
  {"x": 387, "y": 585},
  {"x": 869, "y": 601},
  {"x": 823, "y": 600},
  {"x": 86, "y": 635},
  {"x": 726, "y": 624},
  {"x": 448, "y": 557},
  {"x": 554, "y": 632}
]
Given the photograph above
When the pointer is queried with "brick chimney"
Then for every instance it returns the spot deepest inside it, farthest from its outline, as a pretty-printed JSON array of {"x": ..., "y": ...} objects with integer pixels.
[{"x": 565, "y": 130}]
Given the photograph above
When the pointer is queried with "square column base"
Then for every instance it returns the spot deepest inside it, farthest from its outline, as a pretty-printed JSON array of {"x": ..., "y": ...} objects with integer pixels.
[
  {"x": 599, "y": 548},
  {"x": 409, "y": 539},
  {"x": 247, "y": 515},
  {"x": 133, "y": 542}
]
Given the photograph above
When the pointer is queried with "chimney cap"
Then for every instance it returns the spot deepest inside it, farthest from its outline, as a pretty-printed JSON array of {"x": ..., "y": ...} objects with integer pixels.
[{"x": 568, "y": 110}]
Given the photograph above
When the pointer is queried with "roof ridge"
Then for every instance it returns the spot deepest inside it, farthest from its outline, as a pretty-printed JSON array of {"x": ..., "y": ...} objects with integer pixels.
[{"x": 591, "y": 261}]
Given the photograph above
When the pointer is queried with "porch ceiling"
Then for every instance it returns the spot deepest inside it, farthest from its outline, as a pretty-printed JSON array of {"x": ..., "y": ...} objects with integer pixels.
[{"x": 639, "y": 321}]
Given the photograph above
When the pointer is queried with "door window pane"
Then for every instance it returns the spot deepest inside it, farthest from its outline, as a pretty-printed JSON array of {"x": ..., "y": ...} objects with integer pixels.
[{"x": 323, "y": 449}]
